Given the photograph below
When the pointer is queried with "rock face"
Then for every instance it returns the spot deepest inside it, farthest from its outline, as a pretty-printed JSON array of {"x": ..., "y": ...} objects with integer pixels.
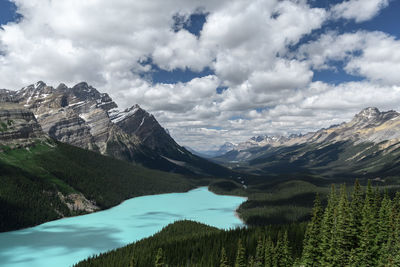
[
  {"x": 84, "y": 117},
  {"x": 18, "y": 126}
]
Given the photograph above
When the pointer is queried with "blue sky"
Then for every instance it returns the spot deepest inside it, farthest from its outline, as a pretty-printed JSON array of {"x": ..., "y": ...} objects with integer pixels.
[{"x": 213, "y": 71}]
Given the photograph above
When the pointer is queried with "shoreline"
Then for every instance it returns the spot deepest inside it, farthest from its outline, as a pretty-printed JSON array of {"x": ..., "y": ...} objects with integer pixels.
[{"x": 100, "y": 210}]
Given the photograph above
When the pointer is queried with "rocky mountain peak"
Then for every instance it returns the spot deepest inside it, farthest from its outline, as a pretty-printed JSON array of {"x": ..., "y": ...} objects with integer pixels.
[
  {"x": 40, "y": 84},
  {"x": 369, "y": 113},
  {"x": 62, "y": 87},
  {"x": 259, "y": 138},
  {"x": 372, "y": 116},
  {"x": 83, "y": 92}
]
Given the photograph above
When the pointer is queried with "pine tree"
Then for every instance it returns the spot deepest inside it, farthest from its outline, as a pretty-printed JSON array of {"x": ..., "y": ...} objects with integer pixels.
[
  {"x": 260, "y": 252},
  {"x": 132, "y": 262},
  {"x": 269, "y": 253},
  {"x": 328, "y": 225},
  {"x": 251, "y": 262},
  {"x": 311, "y": 250},
  {"x": 240, "y": 255},
  {"x": 282, "y": 256},
  {"x": 286, "y": 259},
  {"x": 384, "y": 239},
  {"x": 276, "y": 258},
  {"x": 366, "y": 253},
  {"x": 224, "y": 259},
  {"x": 343, "y": 239},
  {"x": 356, "y": 207},
  {"x": 159, "y": 261}
]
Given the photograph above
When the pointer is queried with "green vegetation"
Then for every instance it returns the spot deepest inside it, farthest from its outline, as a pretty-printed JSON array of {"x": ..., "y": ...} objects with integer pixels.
[
  {"x": 187, "y": 243},
  {"x": 363, "y": 230},
  {"x": 4, "y": 125},
  {"x": 31, "y": 179}
]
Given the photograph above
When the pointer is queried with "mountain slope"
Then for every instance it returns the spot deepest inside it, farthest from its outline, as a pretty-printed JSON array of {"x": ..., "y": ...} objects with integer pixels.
[
  {"x": 49, "y": 182},
  {"x": 367, "y": 146},
  {"x": 42, "y": 179},
  {"x": 84, "y": 117}
]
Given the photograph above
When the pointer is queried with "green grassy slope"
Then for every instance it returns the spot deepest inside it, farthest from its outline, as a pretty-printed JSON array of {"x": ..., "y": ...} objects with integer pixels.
[{"x": 30, "y": 180}]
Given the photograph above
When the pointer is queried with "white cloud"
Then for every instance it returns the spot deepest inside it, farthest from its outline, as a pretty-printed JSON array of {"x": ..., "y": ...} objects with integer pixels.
[
  {"x": 246, "y": 43},
  {"x": 359, "y": 10},
  {"x": 373, "y": 55}
]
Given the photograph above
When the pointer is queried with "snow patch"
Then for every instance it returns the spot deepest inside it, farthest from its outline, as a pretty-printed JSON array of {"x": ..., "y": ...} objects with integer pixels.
[{"x": 123, "y": 115}]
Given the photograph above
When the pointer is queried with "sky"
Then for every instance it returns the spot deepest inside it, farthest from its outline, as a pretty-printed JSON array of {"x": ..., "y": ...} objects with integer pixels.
[{"x": 213, "y": 71}]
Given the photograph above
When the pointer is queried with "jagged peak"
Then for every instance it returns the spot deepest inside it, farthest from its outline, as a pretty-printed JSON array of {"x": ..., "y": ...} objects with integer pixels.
[
  {"x": 81, "y": 85},
  {"x": 136, "y": 106},
  {"x": 370, "y": 112},
  {"x": 40, "y": 84},
  {"x": 62, "y": 87}
]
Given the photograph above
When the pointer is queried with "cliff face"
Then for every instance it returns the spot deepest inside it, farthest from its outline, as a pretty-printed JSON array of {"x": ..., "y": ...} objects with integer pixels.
[
  {"x": 18, "y": 126},
  {"x": 84, "y": 117}
]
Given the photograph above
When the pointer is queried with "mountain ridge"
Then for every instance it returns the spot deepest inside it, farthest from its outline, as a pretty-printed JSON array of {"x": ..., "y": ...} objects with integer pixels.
[
  {"x": 363, "y": 124},
  {"x": 84, "y": 117},
  {"x": 366, "y": 146}
]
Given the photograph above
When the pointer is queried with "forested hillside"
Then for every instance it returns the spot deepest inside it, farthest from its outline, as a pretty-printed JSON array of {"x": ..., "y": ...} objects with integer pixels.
[
  {"x": 53, "y": 180},
  {"x": 362, "y": 229}
]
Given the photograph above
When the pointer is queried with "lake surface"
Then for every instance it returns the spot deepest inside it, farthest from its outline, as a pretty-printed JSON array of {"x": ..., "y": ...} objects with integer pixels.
[{"x": 67, "y": 241}]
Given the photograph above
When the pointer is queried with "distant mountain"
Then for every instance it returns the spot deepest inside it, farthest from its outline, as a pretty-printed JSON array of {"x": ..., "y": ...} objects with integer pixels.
[
  {"x": 226, "y": 147},
  {"x": 367, "y": 145},
  {"x": 84, "y": 117}
]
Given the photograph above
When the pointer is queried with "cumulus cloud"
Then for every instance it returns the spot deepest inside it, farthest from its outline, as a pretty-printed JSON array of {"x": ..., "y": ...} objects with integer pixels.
[
  {"x": 247, "y": 45},
  {"x": 359, "y": 10},
  {"x": 373, "y": 55}
]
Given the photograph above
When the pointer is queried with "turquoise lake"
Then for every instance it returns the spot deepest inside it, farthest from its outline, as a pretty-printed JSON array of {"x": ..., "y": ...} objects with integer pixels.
[{"x": 67, "y": 241}]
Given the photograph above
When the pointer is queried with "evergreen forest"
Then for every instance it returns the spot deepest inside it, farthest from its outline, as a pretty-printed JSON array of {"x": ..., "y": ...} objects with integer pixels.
[{"x": 357, "y": 229}]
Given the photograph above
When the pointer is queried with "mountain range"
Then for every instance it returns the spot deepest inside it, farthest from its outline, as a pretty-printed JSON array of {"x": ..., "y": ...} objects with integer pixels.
[
  {"x": 367, "y": 145},
  {"x": 82, "y": 116}
]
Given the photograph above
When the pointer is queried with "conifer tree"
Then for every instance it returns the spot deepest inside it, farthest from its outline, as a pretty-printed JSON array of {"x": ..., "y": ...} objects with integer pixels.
[
  {"x": 311, "y": 250},
  {"x": 278, "y": 251},
  {"x": 159, "y": 261},
  {"x": 366, "y": 254},
  {"x": 328, "y": 225},
  {"x": 385, "y": 240},
  {"x": 356, "y": 207},
  {"x": 251, "y": 262},
  {"x": 132, "y": 262},
  {"x": 394, "y": 254},
  {"x": 343, "y": 239},
  {"x": 269, "y": 253},
  {"x": 260, "y": 252},
  {"x": 240, "y": 255},
  {"x": 282, "y": 254},
  {"x": 286, "y": 259},
  {"x": 224, "y": 259}
]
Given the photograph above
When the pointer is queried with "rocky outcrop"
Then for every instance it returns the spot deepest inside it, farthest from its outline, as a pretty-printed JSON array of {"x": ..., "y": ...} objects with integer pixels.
[
  {"x": 18, "y": 126},
  {"x": 78, "y": 202}
]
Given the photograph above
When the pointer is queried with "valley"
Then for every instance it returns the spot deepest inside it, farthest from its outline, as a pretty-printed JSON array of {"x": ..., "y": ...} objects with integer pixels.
[{"x": 68, "y": 151}]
